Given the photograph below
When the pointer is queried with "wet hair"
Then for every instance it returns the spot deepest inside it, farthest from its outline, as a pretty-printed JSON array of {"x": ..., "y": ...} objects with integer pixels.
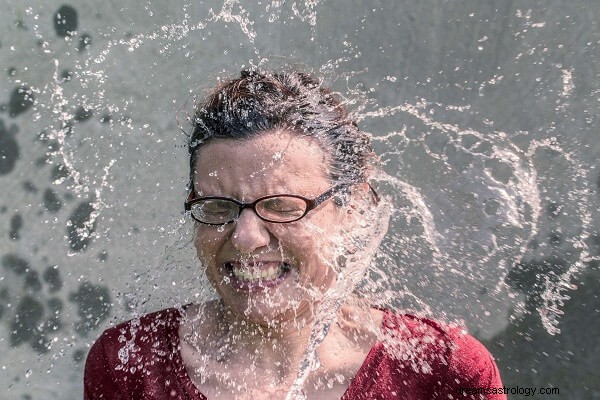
[{"x": 257, "y": 101}]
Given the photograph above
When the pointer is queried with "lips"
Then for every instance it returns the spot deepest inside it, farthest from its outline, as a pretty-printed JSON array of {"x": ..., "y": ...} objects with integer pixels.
[{"x": 256, "y": 275}]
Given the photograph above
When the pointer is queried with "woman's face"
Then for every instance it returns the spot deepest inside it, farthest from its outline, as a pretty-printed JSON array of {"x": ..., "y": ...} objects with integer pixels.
[{"x": 268, "y": 272}]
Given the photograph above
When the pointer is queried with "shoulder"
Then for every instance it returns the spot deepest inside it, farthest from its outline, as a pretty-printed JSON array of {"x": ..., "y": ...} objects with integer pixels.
[
  {"x": 430, "y": 335},
  {"x": 137, "y": 333},
  {"x": 135, "y": 343},
  {"x": 153, "y": 324},
  {"x": 138, "y": 336},
  {"x": 124, "y": 356},
  {"x": 443, "y": 351}
]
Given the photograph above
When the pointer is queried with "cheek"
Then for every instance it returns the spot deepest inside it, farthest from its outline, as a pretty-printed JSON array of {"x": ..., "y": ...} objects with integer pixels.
[
  {"x": 310, "y": 241},
  {"x": 325, "y": 229},
  {"x": 300, "y": 237},
  {"x": 206, "y": 244},
  {"x": 206, "y": 249}
]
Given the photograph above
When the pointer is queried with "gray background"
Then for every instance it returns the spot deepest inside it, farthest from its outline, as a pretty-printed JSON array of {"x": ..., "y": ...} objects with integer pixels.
[{"x": 93, "y": 165}]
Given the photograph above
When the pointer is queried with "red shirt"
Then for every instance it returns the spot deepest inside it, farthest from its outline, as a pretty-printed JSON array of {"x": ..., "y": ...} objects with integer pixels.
[{"x": 417, "y": 359}]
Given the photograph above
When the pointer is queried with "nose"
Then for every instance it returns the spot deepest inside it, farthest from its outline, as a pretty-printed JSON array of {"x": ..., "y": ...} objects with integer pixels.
[{"x": 250, "y": 232}]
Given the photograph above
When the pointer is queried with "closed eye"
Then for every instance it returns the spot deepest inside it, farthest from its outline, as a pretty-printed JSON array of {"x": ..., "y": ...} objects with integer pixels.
[{"x": 214, "y": 207}]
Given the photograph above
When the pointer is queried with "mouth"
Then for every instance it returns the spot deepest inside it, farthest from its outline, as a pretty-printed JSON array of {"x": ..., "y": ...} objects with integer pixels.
[{"x": 256, "y": 276}]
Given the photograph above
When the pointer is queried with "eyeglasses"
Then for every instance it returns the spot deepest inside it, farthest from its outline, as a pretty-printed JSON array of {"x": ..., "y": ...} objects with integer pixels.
[{"x": 279, "y": 208}]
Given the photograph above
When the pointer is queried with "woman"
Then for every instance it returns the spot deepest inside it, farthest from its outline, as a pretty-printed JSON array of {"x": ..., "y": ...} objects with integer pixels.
[{"x": 285, "y": 224}]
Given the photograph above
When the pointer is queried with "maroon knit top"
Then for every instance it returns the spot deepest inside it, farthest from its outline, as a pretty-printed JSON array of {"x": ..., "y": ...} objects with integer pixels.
[{"x": 416, "y": 359}]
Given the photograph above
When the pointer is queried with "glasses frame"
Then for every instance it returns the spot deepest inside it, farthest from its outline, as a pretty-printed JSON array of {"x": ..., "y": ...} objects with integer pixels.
[{"x": 311, "y": 204}]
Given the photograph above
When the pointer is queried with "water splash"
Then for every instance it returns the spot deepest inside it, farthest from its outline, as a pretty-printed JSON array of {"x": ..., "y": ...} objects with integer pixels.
[
  {"x": 242, "y": 18},
  {"x": 364, "y": 242}
]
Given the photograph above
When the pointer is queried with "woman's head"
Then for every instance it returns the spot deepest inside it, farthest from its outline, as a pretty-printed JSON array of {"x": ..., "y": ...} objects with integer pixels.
[
  {"x": 259, "y": 102},
  {"x": 275, "y": 134}
]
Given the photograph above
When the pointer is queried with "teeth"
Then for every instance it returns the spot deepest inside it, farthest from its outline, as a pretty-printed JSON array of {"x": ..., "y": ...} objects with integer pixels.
[{"x": 267, "y": 274}]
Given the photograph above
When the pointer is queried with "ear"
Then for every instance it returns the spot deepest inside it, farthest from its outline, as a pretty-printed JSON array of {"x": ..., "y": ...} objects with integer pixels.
[
  {"x": 366, "y": 219},
  {"x": 359, "y": 201},
  {"x": 360, "y": 195}
]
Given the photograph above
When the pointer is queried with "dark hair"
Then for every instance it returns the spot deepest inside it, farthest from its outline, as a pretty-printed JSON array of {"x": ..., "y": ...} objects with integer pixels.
[{"x": 258, "y": 101}]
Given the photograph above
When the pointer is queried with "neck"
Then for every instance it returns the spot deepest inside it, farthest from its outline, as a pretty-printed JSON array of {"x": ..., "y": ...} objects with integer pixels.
[
  {"x": 277, "y": 344},
  {"x": 270, "y": 356}
]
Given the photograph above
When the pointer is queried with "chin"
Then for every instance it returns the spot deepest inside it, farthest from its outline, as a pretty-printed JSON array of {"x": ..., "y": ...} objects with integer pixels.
[{"x": 267, "y": 311}]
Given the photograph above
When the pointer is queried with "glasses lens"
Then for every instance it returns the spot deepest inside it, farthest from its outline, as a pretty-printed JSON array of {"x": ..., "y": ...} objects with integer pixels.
[
  {"x": 281, "y": 208},
  {"x": 215, "y": 211}
]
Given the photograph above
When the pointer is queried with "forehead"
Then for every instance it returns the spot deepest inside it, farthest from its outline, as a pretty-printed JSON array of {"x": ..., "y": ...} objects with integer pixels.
[{"x": 271, "y": 162}]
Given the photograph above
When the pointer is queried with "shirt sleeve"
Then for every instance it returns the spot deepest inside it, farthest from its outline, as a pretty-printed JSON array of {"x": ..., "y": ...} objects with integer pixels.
[
  {"x": 472, "y": 372},
  {"x": 98, "y": 380}
]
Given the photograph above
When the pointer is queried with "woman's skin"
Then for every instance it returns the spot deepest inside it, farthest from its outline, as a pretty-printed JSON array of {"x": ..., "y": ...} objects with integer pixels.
[{"x": 251, "y": 342}]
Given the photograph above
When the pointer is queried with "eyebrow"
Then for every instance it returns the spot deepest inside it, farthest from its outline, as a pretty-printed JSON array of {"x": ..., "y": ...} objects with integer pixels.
[{"x": 252, "y": 198}]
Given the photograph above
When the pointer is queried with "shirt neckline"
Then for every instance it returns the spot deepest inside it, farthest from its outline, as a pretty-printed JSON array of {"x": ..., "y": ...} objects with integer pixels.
[{"x": 190, "y": 387}]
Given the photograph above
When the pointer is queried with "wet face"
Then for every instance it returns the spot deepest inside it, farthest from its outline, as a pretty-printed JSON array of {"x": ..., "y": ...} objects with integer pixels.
[{"x": 268, "y": 272}]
